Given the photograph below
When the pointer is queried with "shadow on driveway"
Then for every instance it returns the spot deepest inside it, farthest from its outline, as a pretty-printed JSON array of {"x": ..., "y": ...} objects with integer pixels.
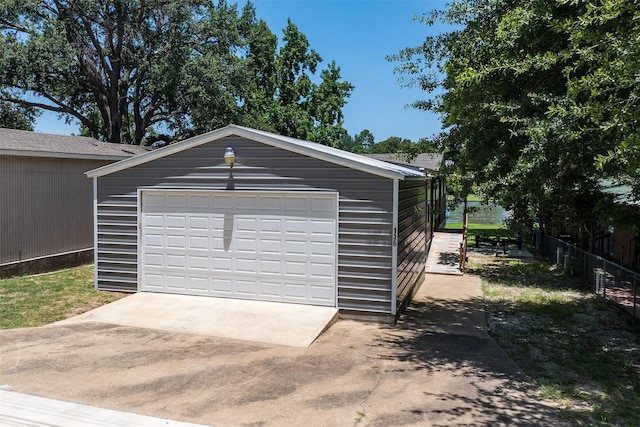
[{"x": 437, "y": 367}]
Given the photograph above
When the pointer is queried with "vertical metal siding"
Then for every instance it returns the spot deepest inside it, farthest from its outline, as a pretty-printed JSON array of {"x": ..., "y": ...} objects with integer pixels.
[
  {"x": 365, "y": 211},
  {"x": 411, "y": 236},
  {"x": 46, "y": 206}
]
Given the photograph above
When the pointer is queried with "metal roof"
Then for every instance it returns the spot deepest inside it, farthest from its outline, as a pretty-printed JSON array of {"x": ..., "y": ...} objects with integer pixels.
[
  {"x": 307, "y": 148},
  {"x": 35, "y": 144},
  {"x": 423, "y": 161},
  {"x": 621, "y": 191}
]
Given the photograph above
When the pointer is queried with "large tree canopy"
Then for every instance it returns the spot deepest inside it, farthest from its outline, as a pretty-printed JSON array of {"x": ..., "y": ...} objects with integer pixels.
[
  {"x": 539, "y": 99},
  {"x": 142, "y": 71}
]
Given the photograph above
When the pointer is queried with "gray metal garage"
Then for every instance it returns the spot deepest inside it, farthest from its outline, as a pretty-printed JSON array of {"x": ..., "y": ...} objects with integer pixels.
[{"x": 242, "y": 213}]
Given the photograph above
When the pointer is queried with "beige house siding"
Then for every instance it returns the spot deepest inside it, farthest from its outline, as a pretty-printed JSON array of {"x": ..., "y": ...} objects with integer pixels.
[{"x": 46, "y": 206}]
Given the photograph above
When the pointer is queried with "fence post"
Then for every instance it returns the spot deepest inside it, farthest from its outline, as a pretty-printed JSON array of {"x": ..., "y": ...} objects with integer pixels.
[
  {"x": 558, "y": 256},
  {"x": 635, "y": 295},
  {"x": 604, "y": 279}
]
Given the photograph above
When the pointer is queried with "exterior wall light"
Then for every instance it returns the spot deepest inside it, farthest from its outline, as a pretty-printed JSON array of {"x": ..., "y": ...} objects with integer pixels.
[{"x": 229, "y": 156}]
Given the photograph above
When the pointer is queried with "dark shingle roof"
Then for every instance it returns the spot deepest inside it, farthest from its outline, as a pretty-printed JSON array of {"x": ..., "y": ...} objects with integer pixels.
[
  {"x": 423, "y": 161},
  {"x": 36, "y": 144}
]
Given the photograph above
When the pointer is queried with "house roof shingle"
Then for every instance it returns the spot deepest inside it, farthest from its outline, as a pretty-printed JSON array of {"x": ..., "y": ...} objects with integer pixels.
[
  {"x": 35, "y": 144},
  {"x": 424, "y": 161}
]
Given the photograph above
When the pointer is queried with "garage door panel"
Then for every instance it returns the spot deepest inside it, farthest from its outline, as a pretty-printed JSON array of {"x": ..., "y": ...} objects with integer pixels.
[
  {"x": 271, "y": 289},
  {"x": 319, "y": 270},
  {"x": 176, "y": 201},
  {"x": 199, "y": 284},
  {"x": 323, "y": 205},
  {"x": 175, "y": 222},
  {"x": 270, "y": 247},
  {"x": 199, "y": 203},
  {"x": 153, "y": 260},
  {"x": 222, "y": 286},
  {"x": 154, "y": 240},
  {"x": 222, "y": 265},
  {"x": 271, "y": 203},
  {"x": 275, "y": 247},
  {"x": 198, "y": 243},
  {"x": 272, "y": 267},
  {"x": 176, "y": 261},
  {"x": 176, "y": 242},
  {"x": 296, "y": 226},
  {"x": 271, "y": 225},
  {"x": 292, "y": 268},
  {"x": 321, "y": 293},
  {"x": 199, "y": 263},
  {"x": 154, "y": 281},
  {"x": 154, "y": 221},
  {"x": 175, "y": 281},
  {"x": 246, "y": 245},
  {"x": 322, "y": 248},
  {"x": 246, "y": 287},
  {"x": 198, "y": 223}
]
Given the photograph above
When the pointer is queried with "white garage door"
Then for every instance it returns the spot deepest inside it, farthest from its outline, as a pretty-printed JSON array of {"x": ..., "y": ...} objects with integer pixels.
[{"x": 260, "y": 246}]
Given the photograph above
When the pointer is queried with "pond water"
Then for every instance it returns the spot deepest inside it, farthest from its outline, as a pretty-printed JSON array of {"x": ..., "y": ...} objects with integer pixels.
[{"x": 486, "y": 214}]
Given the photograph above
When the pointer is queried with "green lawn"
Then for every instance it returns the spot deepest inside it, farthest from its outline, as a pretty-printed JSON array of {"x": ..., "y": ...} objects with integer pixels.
[
  {"x": 581, "y": 351},
  {"x": 484, "y": 230},
  {"x": 45, "y": 298}
]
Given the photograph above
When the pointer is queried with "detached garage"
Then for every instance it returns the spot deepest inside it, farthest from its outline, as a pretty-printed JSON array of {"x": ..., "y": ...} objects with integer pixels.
[{"x": 242, "y": 213}]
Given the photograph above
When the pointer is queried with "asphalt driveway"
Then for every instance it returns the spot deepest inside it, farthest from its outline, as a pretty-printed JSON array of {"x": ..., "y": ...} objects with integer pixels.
[{"x": 437, "y": 366}]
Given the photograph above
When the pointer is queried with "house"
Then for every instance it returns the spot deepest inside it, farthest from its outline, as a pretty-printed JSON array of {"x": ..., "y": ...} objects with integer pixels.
[
  {"x": 430, "y": 164},
  {"x": 246, "y": 214},
  {"x": 46, "y": 209}
]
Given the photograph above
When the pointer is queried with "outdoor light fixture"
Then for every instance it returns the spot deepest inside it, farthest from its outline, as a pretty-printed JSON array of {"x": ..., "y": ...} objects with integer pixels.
[{"x": 229, "y": 156}]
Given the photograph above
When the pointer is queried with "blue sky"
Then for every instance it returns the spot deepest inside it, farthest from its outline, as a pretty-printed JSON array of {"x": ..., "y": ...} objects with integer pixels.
[{"x": 357, "y": 34}]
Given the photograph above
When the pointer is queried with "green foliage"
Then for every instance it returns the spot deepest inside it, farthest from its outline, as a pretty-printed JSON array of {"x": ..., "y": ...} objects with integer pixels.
[
  {"x": 137, "y": 71},
  {"x": 539, "y": 99},
  {"x": 16, "y": 116},
  {"x": 620, "y": 215}
]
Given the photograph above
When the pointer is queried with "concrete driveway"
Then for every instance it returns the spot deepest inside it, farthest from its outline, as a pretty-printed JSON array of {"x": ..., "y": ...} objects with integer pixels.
[
  {"x": 296, "y": 325},
  {"x": 437, "y": 366}
]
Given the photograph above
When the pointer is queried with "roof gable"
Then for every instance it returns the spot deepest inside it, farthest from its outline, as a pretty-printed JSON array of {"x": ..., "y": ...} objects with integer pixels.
[
  {"x": 311, "y": 149},
  {"x": 35, "y": 144}
]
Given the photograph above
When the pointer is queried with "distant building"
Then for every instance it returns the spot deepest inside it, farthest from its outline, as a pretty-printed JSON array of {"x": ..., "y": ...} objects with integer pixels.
[
  {"x": 430, "y": 164},
  {"x": 46, "y": 201}
]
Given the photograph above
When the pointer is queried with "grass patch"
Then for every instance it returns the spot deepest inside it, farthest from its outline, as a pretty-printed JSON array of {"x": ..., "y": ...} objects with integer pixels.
[
  {"x": 484, "y": 230},
  {"x": 581, "y": 351},
  {"x": 470, "y": 198},
  {"x": 45, "y": 298}
]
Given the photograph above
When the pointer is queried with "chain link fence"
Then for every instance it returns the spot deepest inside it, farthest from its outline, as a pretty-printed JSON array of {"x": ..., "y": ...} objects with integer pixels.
[{"x": 605, "y": 278}]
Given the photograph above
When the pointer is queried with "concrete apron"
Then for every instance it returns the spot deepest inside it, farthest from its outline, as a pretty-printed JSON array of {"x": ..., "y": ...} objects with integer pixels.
[{"x": 295, "y": 325}]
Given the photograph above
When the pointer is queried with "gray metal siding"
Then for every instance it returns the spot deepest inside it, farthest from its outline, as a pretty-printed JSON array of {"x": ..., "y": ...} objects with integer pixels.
[
  {"x": 412, "y": 203},
  {"x": 46, "y": 206},
  {"x": 365, "y": 211}
]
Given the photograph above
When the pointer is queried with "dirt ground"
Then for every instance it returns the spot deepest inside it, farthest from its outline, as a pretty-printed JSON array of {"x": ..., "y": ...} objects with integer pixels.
[{"x": 437, "y": 366}]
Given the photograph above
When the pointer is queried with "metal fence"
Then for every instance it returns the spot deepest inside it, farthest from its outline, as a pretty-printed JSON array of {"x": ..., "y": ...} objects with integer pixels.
[{"x": 605, "y": 278}]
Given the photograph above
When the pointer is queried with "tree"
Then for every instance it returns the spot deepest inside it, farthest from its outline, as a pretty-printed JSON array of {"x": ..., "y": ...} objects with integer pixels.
[
  {"x": 146, "y": 71},
  {"x": 16, "y": 117},
  {"x": 301, "y": 108},
  {"x": 123, "y": 68},
  {"x": 603, "y": 87},
  {"x": 507, "y": 68}
]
